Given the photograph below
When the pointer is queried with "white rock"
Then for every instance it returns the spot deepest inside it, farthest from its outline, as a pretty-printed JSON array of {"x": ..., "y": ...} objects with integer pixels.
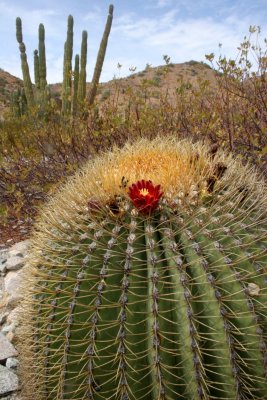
[
  {"x": 6, "y": 348},
  {"x": 3, "y": 255},
  {"x": 3, "y": 317},
  {"x": 8, "y": 328},
  {"x": 13, "y": 317},
  {"x": 10, "y": 336},
  {"x": 8, "y": 380},
  {"x": 14, "y": 263},
  {"x": 3, "y": 268},
  {"x": 19, "y": 249},
  {"x": 12, "y": 362},
  {"x": 12, "y": 284}
]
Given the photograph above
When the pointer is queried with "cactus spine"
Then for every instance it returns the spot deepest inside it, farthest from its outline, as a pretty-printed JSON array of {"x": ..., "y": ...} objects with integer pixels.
[
  {"x": 67, "y": 69},
  {"x": 100, "y": 56},
  {"x": 24, "y": 65},
  {"x": 82, "y": 77},
  {"x": 158, "y": 306}
]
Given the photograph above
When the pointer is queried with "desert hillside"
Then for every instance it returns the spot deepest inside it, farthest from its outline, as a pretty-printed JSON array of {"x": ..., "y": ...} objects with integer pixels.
[
  {"x": 152, "y": 81},
  {"x": 8, "y": 84}
]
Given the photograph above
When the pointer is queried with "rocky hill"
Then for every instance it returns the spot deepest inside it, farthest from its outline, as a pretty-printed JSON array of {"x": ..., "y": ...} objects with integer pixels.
[
  {"x": 152, "y": 81},
  {"x": 8, "y": 84}
]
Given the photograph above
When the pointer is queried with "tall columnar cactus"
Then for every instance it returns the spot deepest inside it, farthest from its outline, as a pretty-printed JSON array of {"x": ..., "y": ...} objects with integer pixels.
[
  {"x": 82, "y": 76},
  {"x": 24, "y": 65},
  {"x": 101, "y": 56},
  {"x": 67, "y": 69},
  {"x": 75, "y": 84},
  {"x": 36, "y": 70},
  {"x": 42, "y": 60},
  {"x": 147, "y": 280}
]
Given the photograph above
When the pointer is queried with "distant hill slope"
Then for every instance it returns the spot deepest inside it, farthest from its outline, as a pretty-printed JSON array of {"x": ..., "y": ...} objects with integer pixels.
[
  {"x": 158, "y": 79},
  {"x": 8, "y": 84}
]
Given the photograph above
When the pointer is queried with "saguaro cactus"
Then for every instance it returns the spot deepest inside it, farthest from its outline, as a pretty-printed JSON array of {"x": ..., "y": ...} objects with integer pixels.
[
  {"x": 67, "y": 69},
  {"x": 24, "y": 65},
  {"x": 82, "y": 76},
  {"x": 147, "y": 280},
  {"x": 101, "y": 56}
]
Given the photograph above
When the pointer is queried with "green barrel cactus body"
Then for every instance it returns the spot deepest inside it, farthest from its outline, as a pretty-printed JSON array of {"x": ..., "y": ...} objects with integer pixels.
[{"x": 157, "y": 303}]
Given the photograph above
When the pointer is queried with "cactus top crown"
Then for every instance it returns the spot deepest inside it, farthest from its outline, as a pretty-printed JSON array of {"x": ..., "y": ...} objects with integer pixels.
[{"x": 186, "y": 173}]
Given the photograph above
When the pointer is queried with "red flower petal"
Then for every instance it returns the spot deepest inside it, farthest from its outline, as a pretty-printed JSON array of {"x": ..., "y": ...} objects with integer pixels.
[{"x": 145, "y": 196}]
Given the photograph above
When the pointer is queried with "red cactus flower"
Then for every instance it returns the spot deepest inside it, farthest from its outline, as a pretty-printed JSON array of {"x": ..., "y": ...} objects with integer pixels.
[{"x": 145, "y": 196}]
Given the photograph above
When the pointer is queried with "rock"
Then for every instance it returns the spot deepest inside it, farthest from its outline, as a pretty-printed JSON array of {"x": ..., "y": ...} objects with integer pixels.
[
  {"x": 10, "y": 336},
  {"x": 13, "y": 317},
  {"x": 3, "y": 260},
  {"x": 13, "y": 396},
  {"x": 3, "y": 317},
  {"x": 12, "y": 362},
  {"x": 19, "y": 249},
  {"x": 9, "y": 329},
  {"x": 8, "y": 380},
  {"x": 14, "y": 263},
  {"x": 3, "y": 268},
  {"x": 6, "y": 349},
  {"x": 12, "y": 286}
]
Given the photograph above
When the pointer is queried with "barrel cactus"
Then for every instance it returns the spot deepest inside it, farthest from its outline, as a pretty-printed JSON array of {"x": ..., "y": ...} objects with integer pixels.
[{"x": 147, "y": 280}]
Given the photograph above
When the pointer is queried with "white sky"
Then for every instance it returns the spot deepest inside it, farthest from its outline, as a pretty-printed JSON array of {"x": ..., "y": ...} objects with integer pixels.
[{"x": 142, "y": 32}]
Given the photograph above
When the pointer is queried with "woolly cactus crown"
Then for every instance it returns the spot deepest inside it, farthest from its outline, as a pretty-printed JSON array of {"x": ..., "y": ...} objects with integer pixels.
[{"x": 147, "y": 280}]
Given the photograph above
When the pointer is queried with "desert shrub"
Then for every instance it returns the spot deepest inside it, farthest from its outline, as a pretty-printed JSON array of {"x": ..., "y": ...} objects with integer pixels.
[{"x": 105, "y": 95}]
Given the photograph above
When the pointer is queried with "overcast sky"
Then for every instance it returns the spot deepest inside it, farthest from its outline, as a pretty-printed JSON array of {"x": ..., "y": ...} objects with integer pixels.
[{"x": 142, "y": 32}]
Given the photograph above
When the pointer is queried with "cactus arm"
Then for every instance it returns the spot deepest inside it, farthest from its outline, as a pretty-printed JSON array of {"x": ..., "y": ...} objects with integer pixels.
[
  {"x": 75, "y": 84},
  {"x": 100, "y": 57},
  {"x": 24, "y": 65},
  {"x": 67, "y": 69},
  {"x": 36, "y": 69},
  {"x": 42, "y": 58},
  {"x": 82, "y": 77}
]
